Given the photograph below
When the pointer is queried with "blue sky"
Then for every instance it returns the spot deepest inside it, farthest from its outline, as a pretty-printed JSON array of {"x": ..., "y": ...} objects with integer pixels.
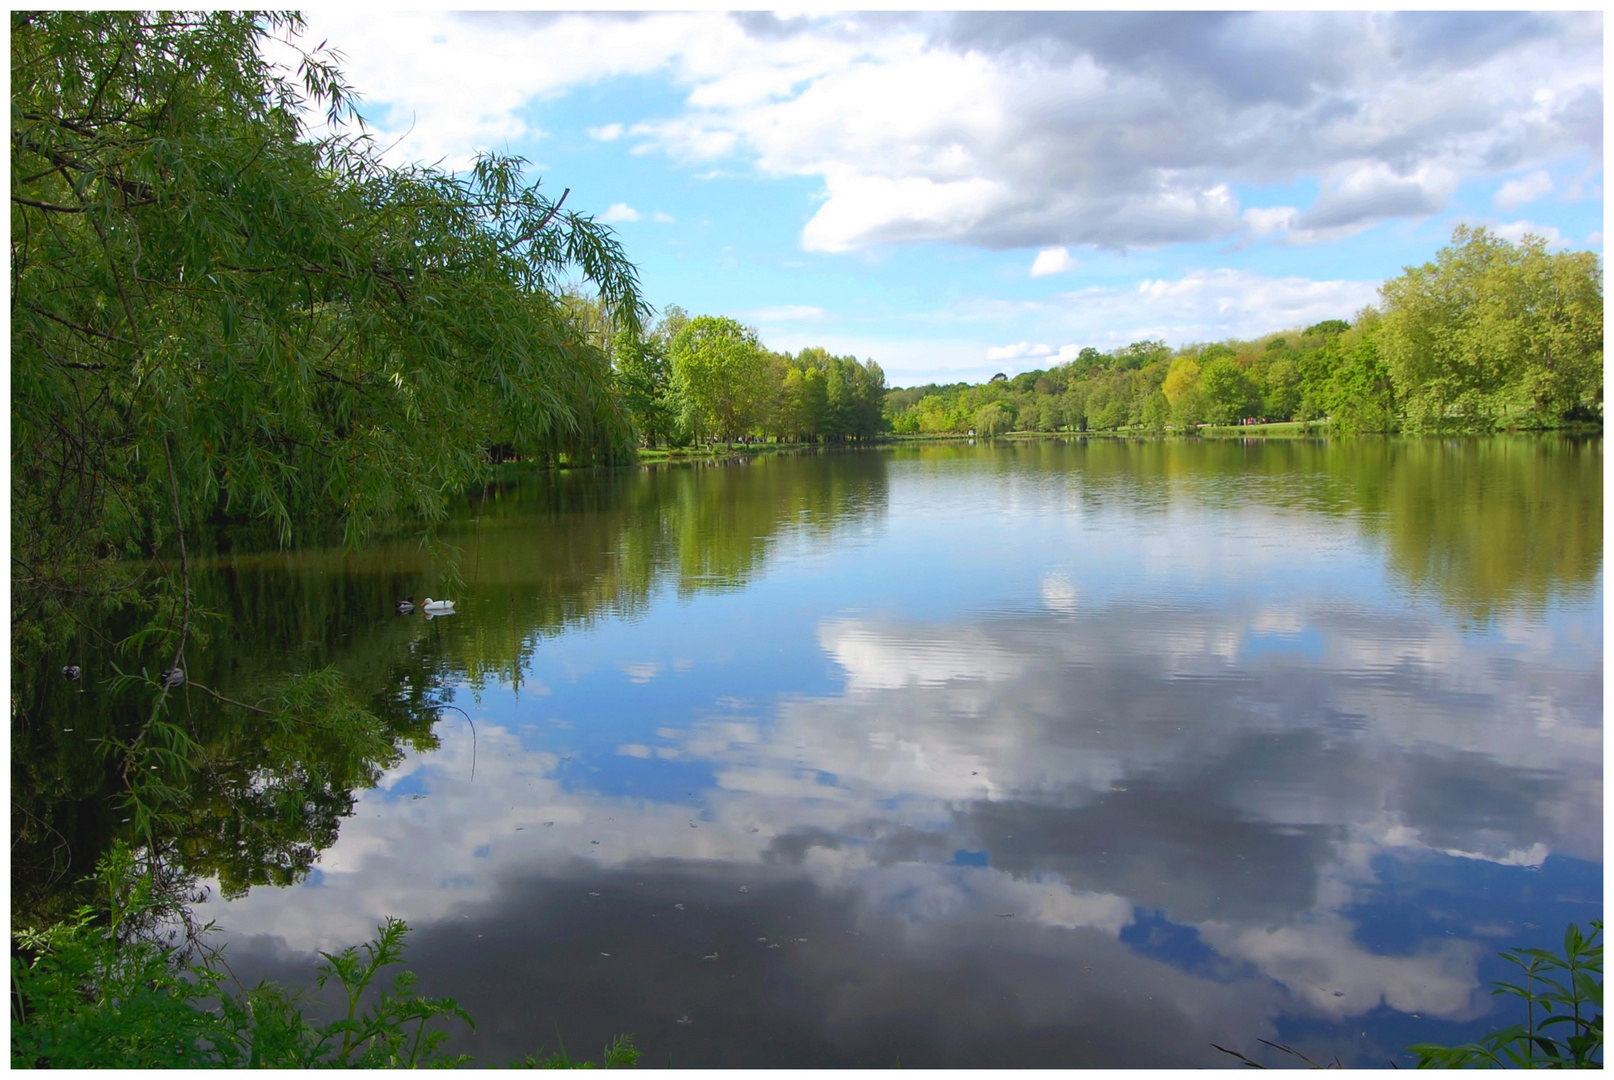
[{"x": 953, "y": 195}]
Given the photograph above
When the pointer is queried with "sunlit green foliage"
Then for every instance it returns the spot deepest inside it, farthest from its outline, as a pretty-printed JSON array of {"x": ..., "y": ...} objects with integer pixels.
[
  {"x": 993, "y": 418},
  {"x": 1491, "y": 327},
  {"x": 644, "y": 384},
  {"x": 1490, "y": 334},
  {"x": 720, "y": 374},
  {"x": 825, "y": 398},
  {"x": 711, "y": 379}
]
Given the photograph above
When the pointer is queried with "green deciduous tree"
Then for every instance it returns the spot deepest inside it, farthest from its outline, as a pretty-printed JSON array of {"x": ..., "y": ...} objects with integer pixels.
[
  {"x": 1229, "y": 394},
  {"x": 993, "y": 418},
  {"x": 644, "y": 384},
  {"x": 1283, "y": 393},
  {"x": 1362, "y": 394},
  {"x": 722, "y": 374},
  {"x": 1180, "y": 377},
  {"x": 1156, "y": 413},
  {"x": 1107, "y": 405},
  {"x": 1489, "y": 328}
]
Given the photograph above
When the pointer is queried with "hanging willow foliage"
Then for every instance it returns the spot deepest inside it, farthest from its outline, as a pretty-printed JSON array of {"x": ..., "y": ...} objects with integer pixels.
[{"x": 217, "y": 316}]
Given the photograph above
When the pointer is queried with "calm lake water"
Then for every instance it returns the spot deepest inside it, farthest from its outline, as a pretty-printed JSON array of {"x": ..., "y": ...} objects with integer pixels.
[{"x": 1047, "y": 754}]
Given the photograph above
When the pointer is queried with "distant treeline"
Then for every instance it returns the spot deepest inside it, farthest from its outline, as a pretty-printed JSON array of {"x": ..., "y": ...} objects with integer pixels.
[
  {"x": 1491, "y": 334},
  {"x": 709, "y": 379}
]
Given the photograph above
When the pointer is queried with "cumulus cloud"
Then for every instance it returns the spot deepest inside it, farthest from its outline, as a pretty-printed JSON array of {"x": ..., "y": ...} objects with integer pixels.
[
  {"x": 1032, "y": 130},
  {"x": 787, "y": 313},
  {"x": 661, "y": 217},
  {"x": 1522, "y": 189},
  {"x": 1368, "y": 193},
  {"x": 606, "y": 132},
  {"x": 1353, "y": 200},
  {"x": 1053, "y": 260},
  {"x": 619, "y": 212},
  {"x": 1201, "y": 305},
  {"x": 1515, "y": 231},
  {"x": 1267, "y": 220},
  {"x": 1019, "y": 351},
  {"x": 1206, "y": 305}
]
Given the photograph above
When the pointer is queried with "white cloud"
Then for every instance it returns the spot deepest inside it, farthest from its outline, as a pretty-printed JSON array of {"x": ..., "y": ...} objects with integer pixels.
[
  {"x": 908, "y": 359},
  {"x": 1594, "y": 238},
  {"x": 1523, "y": 189},
  {"x": 1038, "y": 129},
  {"x": 1018, "y": 351},
  {"x": 1365, "y": 192},
  {"x": 1201, "y": 305},
  {"x": 619, "y": 212},
  {"x": 1514, "y": 231},
  {"x": 1267, "y": 220},
  {"x": 661, "y": 217},
  {"x": 1053, "y": 260},
  {"x": 1208, "y": 305},
  {"x": 787, "y": 313},
  {"x": 862, "y": 210}
]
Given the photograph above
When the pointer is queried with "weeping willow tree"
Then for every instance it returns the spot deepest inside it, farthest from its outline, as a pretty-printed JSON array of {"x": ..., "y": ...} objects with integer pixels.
[{"x": 226, "y": 308}]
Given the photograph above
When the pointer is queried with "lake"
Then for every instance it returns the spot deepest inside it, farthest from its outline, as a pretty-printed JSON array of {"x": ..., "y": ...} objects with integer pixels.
[{"x": 1056, "y": 754}]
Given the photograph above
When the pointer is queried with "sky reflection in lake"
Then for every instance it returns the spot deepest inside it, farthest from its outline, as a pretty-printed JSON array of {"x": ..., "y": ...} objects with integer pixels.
[{"x": 1016, "y": 761}]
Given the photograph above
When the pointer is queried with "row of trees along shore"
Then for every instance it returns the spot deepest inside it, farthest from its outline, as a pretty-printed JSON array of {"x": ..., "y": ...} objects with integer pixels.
[
  {"x": 1489, "y": 335},
  {"x": 707, "y": 379}
]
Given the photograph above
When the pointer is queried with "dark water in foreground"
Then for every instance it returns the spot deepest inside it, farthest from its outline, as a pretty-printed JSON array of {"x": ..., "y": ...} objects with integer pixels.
[{"x": 1021, "y": 755}]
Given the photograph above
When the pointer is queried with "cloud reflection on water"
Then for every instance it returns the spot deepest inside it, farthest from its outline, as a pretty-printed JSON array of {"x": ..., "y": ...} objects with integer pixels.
[{"x": 1237, "y": 770}]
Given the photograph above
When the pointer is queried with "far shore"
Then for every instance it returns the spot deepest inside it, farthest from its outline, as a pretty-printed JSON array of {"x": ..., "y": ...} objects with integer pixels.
[{"x": 1283, "y": 429}]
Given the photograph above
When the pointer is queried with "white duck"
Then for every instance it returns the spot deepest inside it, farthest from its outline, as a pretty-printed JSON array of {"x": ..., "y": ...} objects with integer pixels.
[{"x": 437, "y": 607}]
